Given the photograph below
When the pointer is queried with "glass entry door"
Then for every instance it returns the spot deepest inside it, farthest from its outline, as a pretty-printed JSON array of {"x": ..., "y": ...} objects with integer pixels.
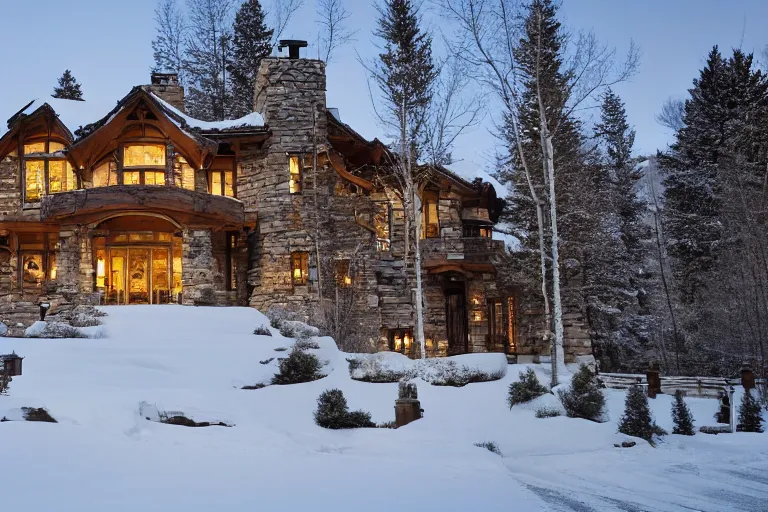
[{"x": 139, "y": 275}]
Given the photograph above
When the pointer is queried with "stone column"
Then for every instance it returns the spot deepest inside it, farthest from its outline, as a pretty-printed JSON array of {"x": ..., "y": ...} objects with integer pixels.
[{"x": 197, "y": 272}]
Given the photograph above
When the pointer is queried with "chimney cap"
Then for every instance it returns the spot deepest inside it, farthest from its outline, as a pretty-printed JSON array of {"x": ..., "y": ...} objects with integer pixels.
[
  {"x": 162, "y": 78},
  {"x": 293, "y": 46}
]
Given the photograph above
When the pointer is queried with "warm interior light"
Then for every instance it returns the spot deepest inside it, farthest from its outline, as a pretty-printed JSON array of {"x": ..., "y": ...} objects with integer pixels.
[
  {"x": 53, "y": 272},
  {"x": 347, "y": 280},
  {"x": 100, "y": 272},
  {"x": 477, "y": 316},
  {"x": 475, "y": 301},
  {"x": 297, "y": 273},
  {"x": 398, "y": 343}
]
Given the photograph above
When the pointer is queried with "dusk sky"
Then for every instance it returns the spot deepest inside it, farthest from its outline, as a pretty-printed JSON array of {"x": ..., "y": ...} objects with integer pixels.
[{"x": 106, "y": 44}]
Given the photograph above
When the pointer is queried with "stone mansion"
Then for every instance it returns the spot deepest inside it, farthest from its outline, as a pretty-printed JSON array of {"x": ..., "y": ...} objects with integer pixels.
[{"x": 286, "y": 207}]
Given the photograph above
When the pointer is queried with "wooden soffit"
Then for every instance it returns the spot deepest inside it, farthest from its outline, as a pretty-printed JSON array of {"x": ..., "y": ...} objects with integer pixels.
[
  {"x": 337, "y": 162},
  {"x": 184, "y": 206},
  {"x": 441, "y": 265},
  {"x": 88, "y": 150}
]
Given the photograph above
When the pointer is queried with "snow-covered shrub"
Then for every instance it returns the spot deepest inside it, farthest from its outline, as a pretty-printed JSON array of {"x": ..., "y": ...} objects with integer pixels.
[
  {"x": 372, "y": 369},
  {"x": 37, "y": 414},
  {"x": 750, "y": 417},
  {"x": 547, "y": 412},
  {"x": 449, "y": 373},
  {"x": 53, "y": 330},
  {"x": 526, "y": 389},
  {"x": 490, "y": 446},
  {"x": 681, "y": 416},
  {"x": 262, "y": 330},
  {"x": 637, "y": 420},
  {"x": 332, "y": 412},
  {"x": 298, "y": 367},
  {"x": 584, "y": 398},
  {"x": 305, "y": 344}
]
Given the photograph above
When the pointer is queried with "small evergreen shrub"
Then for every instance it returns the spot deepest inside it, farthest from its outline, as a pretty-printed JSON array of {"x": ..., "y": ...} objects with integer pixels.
[
  {"x": 526, "y": 389},
  {"x": 681, "y": 416},
  {"x": 267, "y": 361},
  {"x": 387, "y": 424},
  {"x": 490, "y": 446},
  {"x": 255, "y": 386},
  {"x": 547, "y": 412},
  {"x": 280, "y": 349},
  {"x": 262, "y": 330},
  {"x": 332, "y": 412},
  {"x": 297, "y": 368},
  {"x": 304, "y": 344},
  {"x": 750, "y": 417},
  {"x": 5, "y": 383},
  {"x": 584, "y": 399},
  {"x": 637, "y": 420}
]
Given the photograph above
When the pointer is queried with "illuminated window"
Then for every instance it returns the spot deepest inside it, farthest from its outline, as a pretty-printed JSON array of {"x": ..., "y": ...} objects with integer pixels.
[
  {"x": 61, "y": 178},
  {"x": 297, "y": 165},
  {"x": 141, "y": 155},
  {"x": 477, "y": 231},
  {"x": 37, "y": 258},
  {"x": 183, "y": 174},
  {"x": 299, "y": 268},
  {"x": 144, "y": 177},
  {"x": 231, "y": 269},
  {"x": 343, "y": 276},
  {"x": 34, "y": 147},
  {"x": 382, "y": 221},
  {"x": 54, "y": 147},
  {"x": 105, "y": 174},
  {"x": 511, "y": 325},
  {"x": 222, "y": 183},
  {"x": 429, "y": 217},
  {"x": 154, "y": 178},
  {"x": 401, "y": 340},
  {"x": 33, "y": 180}
]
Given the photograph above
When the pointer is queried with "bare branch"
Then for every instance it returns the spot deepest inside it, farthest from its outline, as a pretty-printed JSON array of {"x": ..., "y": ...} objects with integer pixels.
[
  {"x": 671, "y": 115},
  {"x": 332, "y": 18},
  {"x": 282, "y": 12}
]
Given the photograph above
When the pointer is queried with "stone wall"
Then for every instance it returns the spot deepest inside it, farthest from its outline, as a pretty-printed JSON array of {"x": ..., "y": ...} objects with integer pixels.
[{"x": 10, "y": 186}]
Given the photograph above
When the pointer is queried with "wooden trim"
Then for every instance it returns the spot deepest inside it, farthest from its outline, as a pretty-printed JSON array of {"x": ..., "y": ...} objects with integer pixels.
[{"x": 337, "y": 162}]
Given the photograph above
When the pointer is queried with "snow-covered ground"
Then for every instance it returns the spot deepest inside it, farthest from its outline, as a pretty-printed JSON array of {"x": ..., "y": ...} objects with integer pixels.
[{"x": 102, "y": 455}]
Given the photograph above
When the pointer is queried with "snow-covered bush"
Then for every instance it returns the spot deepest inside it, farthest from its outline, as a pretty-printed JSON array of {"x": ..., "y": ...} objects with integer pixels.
[
  {"x": 750, "y": 417},
  {"x": 526, "y": 389},
  {"x": 5, "y": 383},
  {"x": 37, "y": 414},
  {"x": 262, "y": 330},
  {"x": 637, "y": 420},
  {"x": 681, "y": 416},
  {"x": 298, "y": 367},
  {"x": 306, "y": 344},
  {"x": 584, "y": 398},
  {"x": 53, "y": 330},
  {"x": 332, "y": 412},
  {"x": 547, "y": 412},
  {"x": 490, "y": 446},
  {"x": 373, "y": 369},
  {"x": 449, "y": 373}
]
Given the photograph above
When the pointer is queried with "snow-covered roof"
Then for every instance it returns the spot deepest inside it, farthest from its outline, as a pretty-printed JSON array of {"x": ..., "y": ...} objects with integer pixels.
[
  {"x": 252, "y": 120},
  {"x": 73, "y": 114},
  {"x": 470, "y": 170}
]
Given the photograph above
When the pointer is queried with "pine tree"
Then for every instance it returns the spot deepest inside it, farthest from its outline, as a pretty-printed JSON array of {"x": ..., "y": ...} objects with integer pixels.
[
  {"x": 252, "y": 42},
  {"x": 613, "y": 275},
  {"x": 750, "y": 414},
  {"x": 584, "y": 399},
  {"x": 207, "y": 54},
  {"x": 168, "y": 44},
  {"x": 637, "y": 420},
  {"x": 68, "y": 88},
  {"x": 681, "y": 416}
]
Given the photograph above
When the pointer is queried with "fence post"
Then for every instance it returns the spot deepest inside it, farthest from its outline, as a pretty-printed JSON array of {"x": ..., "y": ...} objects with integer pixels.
[
  {"x": 654, "y": 380},
  {"x": 747, "y": 377},
  {"x": 732, "y": 418}
]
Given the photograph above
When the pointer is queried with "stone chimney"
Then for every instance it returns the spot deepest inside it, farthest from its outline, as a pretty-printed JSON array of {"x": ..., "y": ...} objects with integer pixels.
[{"x": 167, "y": 87}]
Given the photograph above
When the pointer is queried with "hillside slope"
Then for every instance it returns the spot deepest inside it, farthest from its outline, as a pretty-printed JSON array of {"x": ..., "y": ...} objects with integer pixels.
[{"x": 104, "y": 455}]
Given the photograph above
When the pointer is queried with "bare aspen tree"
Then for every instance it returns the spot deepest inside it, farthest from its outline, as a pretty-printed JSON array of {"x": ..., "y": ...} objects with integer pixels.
[
  {"x": 281, "y": 13},
  {"x": 168, "y": 45},
  {"x": 333, "y": 19},
  {"x": 488, "y": 36}
]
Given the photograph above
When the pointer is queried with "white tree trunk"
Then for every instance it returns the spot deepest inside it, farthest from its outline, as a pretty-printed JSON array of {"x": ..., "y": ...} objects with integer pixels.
[
  {"x": 558, "y": 355},
  {"x": 419, "y": 334}
]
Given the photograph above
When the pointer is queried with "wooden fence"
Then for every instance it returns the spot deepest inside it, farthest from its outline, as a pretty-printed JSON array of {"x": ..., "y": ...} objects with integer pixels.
[{"x": 706, "y": 387}]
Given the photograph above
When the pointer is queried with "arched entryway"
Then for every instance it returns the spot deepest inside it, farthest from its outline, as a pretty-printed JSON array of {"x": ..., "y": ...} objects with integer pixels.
[{"x": 137, "y": 259}]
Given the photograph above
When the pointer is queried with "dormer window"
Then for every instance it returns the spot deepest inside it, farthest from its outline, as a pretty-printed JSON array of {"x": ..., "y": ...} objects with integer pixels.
[
  {"x": 144, "y": 164},
  {"x": 46, "y": 171}
]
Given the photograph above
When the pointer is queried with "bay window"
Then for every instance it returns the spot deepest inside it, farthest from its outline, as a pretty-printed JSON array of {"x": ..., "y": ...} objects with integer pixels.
[{"x": 45, "y": 170}]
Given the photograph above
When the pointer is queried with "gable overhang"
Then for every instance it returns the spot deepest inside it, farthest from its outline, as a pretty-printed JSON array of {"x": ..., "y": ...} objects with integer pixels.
[
  {"x": 43, "y": 120},
  {"x": 102, "y": 136}
]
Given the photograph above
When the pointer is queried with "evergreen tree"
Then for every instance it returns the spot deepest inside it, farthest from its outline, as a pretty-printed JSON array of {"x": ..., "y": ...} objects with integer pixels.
[
  {"x": 681, "y": 416},
  {"x": 750, "y": 414},
  {"x": 405, "y": 71},
  {"x": 637, "y": 420},
  {"x": 207, "y": 54},
  {"x": 614, "y": 282},
  {"x": 584, "y": 399},
  {"x": 332, "y": 412},
  {"x": 68, "y": 88},
  {"x": 526, "y": 389},
  {"x": 252, "y": 41},
  {"x": 168, "y": 45}
]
